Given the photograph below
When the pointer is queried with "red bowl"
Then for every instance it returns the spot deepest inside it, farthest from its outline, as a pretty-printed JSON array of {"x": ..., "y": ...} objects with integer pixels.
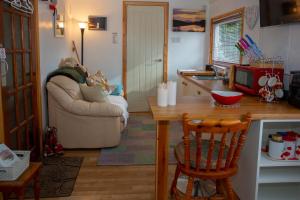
[{"x": 226, "y": 97}]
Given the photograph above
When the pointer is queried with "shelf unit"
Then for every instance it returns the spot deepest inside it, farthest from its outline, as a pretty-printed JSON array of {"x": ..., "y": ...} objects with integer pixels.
[
  {"x": 261, "y": 178},
  {"x": 279, "y": 175},
  {"x": 267, "y": 162},
  {"x": 277, "y": 179},
  {"x": 286, "y": 191}
]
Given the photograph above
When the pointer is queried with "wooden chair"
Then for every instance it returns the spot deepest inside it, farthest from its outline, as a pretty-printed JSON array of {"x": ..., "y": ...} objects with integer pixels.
[{"x": 210, "y": 151}]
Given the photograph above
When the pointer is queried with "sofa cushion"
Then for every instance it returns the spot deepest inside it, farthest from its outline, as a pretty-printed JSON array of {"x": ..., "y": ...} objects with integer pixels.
[
  {"x": 70, "y": 86},
  {"x": 93, "y": 93}
]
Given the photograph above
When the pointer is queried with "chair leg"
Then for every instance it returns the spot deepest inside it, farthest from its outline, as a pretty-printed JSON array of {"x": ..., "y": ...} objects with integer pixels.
[
  {"x": 189, "y": 189},
  {"x": 228, "y": 188},
  {"x": 37, "y": 187},
  {"x": 174, "y": 183},
  {"x": 219, "y": 187}
]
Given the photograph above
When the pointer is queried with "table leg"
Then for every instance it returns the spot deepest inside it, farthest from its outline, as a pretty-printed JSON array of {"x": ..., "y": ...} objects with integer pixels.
[
  {"x": 37, "y": 187},
  {"x": 6, "y": 195},
  {"x": 21, "y": 194},
  {"x": 162, "y": 157}
]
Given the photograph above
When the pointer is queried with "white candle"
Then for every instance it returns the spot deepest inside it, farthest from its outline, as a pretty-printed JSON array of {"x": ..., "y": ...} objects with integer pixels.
[
  {"x": 172, "y": 87},
  {"x": 162, "y": 95}
]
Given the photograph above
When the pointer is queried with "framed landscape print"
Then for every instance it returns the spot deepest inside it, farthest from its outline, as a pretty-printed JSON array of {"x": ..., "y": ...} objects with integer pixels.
[
  {"x": 186, "y": 20},
  {"x": 98, "y": 23}
]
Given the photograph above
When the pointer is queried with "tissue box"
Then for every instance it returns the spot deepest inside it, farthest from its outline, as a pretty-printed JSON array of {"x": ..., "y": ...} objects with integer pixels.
[{"x": 13, "y": 172}]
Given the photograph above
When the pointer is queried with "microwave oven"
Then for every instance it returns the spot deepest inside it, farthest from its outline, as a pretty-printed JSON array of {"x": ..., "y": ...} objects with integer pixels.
[{"x": 246, "y": 77}]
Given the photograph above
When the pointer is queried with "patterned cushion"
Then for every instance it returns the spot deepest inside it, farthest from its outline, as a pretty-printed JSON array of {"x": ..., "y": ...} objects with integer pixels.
[
  {"x": 98, "y": 79},
  {"x": 179, "y": 151},
  {"x": 93, "y": 93}
]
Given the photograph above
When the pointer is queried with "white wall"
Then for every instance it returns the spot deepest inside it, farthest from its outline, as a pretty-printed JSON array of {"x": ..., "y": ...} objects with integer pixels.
[
  {"x": 192, "y": 51},
  {"x": 52, "y": 49},
  {"x": 274, "y": 41},
  {"x": 100, "y": 53}
]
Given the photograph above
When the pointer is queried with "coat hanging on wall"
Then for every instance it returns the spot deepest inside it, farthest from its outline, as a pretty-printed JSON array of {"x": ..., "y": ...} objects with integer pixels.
[
  {"x": 21, "y": 5},
  {"x": 251, "y": 14}
]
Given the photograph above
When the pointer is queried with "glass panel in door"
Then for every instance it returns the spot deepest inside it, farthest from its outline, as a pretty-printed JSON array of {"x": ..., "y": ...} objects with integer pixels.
[{"x": 18, "y": 83}]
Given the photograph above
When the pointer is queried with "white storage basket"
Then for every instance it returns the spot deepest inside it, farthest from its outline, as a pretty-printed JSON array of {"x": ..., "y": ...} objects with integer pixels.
[{"x": 12, "y": 173}]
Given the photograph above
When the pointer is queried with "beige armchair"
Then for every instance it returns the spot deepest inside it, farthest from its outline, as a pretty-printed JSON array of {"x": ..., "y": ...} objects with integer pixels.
[{"x": 82, "y": 124}]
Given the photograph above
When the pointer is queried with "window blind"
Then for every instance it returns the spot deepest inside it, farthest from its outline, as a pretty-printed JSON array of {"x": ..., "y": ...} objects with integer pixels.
[{"x": 226, "y": 35}]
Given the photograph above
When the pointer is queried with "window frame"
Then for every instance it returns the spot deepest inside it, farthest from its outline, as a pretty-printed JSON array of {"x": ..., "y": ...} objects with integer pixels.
[{"x": 238, "y": 13}]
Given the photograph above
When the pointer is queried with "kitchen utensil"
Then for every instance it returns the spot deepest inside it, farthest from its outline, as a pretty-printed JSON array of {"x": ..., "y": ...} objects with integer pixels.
[
  {"x": 289, "y": 147},
  {"x": 297, "y": 152},
  {"x": 272, "y": 81},
  {"x": 276, "y": 149},
  {"x": 270, "y": 97},
  {"x": 279, "y": 93},
  {"x": 262, "y": 81},
  {"x": 226, "y": 97}
]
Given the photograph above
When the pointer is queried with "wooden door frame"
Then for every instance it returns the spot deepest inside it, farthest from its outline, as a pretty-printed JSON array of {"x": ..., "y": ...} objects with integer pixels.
[
  {"x": 2, "y": 131},
  {"x": 36, "y": 51},
  {"x": 165, "y": 6},
  {"x": 1, "y": 118}
]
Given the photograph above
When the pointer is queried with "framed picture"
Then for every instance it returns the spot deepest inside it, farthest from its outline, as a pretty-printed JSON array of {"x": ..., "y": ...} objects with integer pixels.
[
  {"x": 98, "y": 23},
  {"x": 185, "y": 20},
  {"x": 59, "y": 25}
]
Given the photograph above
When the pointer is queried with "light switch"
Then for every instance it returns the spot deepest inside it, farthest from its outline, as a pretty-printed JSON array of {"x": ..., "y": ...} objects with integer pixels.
[
  {"x": 175, "y": 39},
  {"x": 115, "y": 38}
]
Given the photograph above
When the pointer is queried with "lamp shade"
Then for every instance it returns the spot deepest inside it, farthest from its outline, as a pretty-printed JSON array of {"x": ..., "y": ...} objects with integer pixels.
[{"x": 82, "y": 25}]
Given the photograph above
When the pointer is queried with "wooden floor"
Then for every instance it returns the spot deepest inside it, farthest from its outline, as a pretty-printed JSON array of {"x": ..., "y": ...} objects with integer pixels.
[{"x": 112, "y": 183}]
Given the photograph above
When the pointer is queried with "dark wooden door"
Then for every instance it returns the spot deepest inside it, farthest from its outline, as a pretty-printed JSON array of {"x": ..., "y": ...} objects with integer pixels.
[{"x": 19, "y": 81}]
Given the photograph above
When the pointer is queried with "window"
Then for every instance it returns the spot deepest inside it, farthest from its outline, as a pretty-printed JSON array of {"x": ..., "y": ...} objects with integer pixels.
[{"x": 226, "y": 31}]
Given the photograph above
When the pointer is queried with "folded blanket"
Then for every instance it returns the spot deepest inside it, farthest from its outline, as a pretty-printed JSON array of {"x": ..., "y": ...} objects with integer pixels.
[
  {"x": 122, "y": 103},
  {"x": 74, "y": 73}
]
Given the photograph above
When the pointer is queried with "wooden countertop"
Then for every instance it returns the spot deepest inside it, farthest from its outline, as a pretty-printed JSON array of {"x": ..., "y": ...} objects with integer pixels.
[{"x": 204, "y": 106}]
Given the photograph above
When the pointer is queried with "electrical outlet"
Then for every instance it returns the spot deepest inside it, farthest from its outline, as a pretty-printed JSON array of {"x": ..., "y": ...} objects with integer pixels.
[{"x": 2, "y": 54}]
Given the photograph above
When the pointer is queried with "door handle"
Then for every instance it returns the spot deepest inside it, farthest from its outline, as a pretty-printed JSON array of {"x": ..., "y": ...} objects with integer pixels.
[{"x": 158, "y": 60}]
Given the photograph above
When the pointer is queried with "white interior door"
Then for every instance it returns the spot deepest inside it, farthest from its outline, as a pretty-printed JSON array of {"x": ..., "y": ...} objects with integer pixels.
[{"x": 145, "y": 48}]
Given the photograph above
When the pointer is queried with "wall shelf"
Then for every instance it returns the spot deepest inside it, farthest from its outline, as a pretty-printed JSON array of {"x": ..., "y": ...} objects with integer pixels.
[
  {"x": 266, "y": 162},
  {"x": 286, "y": 191},
  {"x": 279, "y": 175}
]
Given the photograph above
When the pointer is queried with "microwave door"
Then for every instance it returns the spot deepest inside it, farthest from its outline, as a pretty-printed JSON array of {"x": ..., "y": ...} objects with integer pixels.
[{"x": 244, "y": 77}]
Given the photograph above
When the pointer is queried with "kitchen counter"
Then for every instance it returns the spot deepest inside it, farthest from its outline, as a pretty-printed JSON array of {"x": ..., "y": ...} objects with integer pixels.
[
  {"x": 205, "y": 105},
  {"x": 207, "y": 85},
  {"x": 260, "y": 172}
]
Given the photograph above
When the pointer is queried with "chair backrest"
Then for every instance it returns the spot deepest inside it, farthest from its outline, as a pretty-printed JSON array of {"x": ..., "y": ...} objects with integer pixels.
[{"x": 221, "y": 148}]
